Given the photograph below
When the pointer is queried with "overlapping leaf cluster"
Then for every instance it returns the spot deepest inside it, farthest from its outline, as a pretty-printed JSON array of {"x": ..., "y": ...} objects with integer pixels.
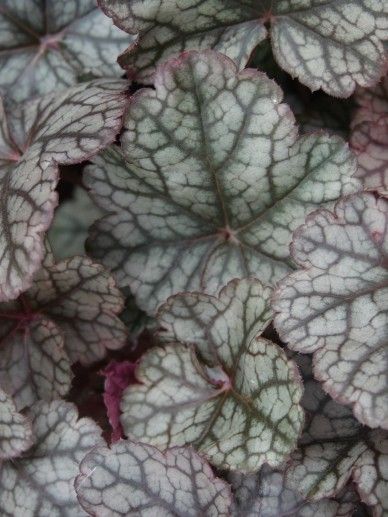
[{"x": 224, "y": 241}]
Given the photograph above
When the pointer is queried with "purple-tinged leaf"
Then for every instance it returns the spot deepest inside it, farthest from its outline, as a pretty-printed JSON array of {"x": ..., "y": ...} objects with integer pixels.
[
  {"x": 211, "y": 182},
  {"x": 50, "y": 45},
  {"x": 15, "y": 430},
  {"x": 35, "y": 137},
  {"x": 137, "y": 479},
  {"x": 369, "y": 138},
  {"x": 329, "y": 44},
  {"x": 69, "y": 314},
  {"x": 235, "y": 397},
  {"x": 269, "y": 494},
  {"x": 334, "y": 449},
  {"x": 337, "y": 305},
  {"x": 118, "y": 376},
  {"x": 41, "y": 482}
]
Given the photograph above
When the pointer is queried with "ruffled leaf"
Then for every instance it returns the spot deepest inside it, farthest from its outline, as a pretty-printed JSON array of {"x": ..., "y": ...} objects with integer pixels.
[
  {"x": 35, "y": 137},
  {"x": 235, "y": 397},
  {"x": 336, "y": 307},
  {"x": 333, "y": 44},
  {"x": 369, "y": 138},
  {"x": 41, "y": 483},
  {"x": 15, "y": 430},
  {"x": 33, "y": 361},
  {"x": 212, "y": 182},
  {"x": 50, "y": 45},
  {"x": 69, "y": 314},
  {"x": 335, "y": 449},
  {"x": 136, "y": 479}
]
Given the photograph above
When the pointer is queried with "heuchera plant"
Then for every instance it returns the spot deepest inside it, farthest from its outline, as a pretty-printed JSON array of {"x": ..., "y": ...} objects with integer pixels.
[{"x": 194, "y": 258}]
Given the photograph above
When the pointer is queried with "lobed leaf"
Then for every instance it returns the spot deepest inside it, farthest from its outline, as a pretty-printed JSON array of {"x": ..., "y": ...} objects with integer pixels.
[
  {"x": 268, "y": 494},
  {"x": 334, "y": 449},
  {"x": 33, "y": 361},
  {"x": 235, "y": 397},
  {"x": 50, "y": 45},
  {"x": 369, "y": 137},
  {"x": 35, "y": 137},
  {"x": 81, "y": 297},
  {"x": 211, "y": 182},
  {"x": 69, "y": 314},
  {"x": 336, "y": 306},
  {"x": 15, "y": 430},
  {"x": 137, "y": 479},
  {"x": 332, "y": 45},
  {"x": 41, "y": 482}
]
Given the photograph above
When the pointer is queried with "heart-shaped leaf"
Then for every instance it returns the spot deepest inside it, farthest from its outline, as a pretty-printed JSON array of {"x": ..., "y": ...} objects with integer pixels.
[
  {"x": 235, "y": 397},
  {"x": 137, "y": 479},
  {"x": 369, "y": 137},
  {"x": 69, "y": 314},
  {"x": 41, "y": 483},
  {"x": 34, "y": 138},
  {"x": 15, "y": 430},
  {"x": 268, "y": 494},
  {"x": 332, "y": 44},
  {"x": 336, "y": 448},
  {"x": 215, "y": 181},
  {"x": 336, "y": 306},
  {"x": 69, "y": 229},
  {"x": 50, "y": 45}
]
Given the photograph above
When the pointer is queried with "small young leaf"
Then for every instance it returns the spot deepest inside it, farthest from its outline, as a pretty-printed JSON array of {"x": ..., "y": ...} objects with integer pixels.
[
  {"x": 41, "y": 483},
  {"x": 334, "y": 449},
  {"x": 118, "y": 376},
  {"x": 72, "y": 220},
  {"x": 369, "y": 137},
  {"x": 336, "y": 306},
  {"x": 268, "y": 494},
  {"x": 136, "y": 479},
  {"x": 69, "y": 314},
  {"x": 214, "y": 184},
  {"x": 47, "y": 46},
  {"x": 332, "y": 44},
  {"x": 237, "y": 401},
  {"x": 15, "y": 430},
  {"x": 35, "y": 137}
]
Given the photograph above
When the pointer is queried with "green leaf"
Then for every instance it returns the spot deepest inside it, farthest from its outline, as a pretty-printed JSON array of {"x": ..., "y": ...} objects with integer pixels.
[
  {"x": 48, "y": 45},
  {"x": 137, "y": 479},
  {"x": 69, "y": 228},
  {"x": 15, "y": 430},
  {"x": 34, "y": 138},
  {"x": 41, "y": 482},
  {"x": 328, "y": 44},
  {"x": 212, "y": 183},
  {"x": 336, "y": 306},
  {"x": 234, "y": 397}
]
